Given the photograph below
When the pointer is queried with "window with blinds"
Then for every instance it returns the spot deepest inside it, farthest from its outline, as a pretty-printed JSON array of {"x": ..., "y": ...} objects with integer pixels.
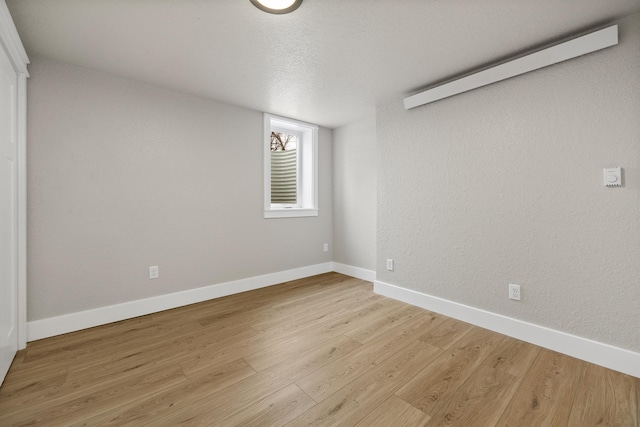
[
  {"x": 291, "y": 178},
  {"x": 284, "y": 177}
]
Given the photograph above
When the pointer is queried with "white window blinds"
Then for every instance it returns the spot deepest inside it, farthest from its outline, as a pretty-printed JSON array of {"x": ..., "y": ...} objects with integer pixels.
[{"x": 284, "y": 177}]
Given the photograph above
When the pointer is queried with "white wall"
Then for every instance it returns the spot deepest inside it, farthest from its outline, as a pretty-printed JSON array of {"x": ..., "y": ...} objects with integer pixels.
[
  {"x": 354, "y": 190},
  {"x": 124, "y": 175},
  {"x": 504, "y": 185}
]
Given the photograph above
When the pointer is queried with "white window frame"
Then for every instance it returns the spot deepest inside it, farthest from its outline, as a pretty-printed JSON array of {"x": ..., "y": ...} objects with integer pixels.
[{"x": 307, "y": 149}]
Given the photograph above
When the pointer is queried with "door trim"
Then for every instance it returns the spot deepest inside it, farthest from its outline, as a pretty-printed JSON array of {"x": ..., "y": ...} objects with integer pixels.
[
  {"x": 10, "y": 42},
  {"x": 22, "y": 209}
]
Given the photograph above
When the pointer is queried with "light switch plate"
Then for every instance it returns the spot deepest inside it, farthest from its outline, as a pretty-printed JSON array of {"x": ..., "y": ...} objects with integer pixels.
[{"x": 613, "y": 177}]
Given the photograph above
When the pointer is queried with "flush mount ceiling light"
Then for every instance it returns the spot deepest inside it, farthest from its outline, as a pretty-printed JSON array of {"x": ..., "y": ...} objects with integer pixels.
[{"x": 277, "y": 6}]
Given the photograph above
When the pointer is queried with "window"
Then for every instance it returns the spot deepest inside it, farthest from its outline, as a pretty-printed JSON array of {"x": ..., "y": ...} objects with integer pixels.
[{"x": 290, "y": 168}]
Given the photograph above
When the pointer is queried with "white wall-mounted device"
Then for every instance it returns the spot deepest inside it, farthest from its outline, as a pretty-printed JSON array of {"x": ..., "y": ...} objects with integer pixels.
[
  {"x": 154, "y": 273},
  {"x": 613, "y": 177},
  {"x": 542, "y": 58}
]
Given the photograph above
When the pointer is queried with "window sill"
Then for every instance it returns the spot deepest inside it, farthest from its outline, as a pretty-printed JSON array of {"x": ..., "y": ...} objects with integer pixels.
[{"x": 290, "y": 213}]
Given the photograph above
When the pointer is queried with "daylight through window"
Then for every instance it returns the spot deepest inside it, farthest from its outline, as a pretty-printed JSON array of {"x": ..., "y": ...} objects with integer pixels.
[
  {"x": 284, "y": 168},
  {"x": 290, "y": 158}
]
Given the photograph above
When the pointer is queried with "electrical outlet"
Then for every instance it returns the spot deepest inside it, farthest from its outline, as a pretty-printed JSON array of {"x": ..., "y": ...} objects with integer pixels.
[
  {"x": 514, "y": 292},
  {"x": 390, "y": 264},
  {"x": 154, "y": 272},
  {"x": 326, "y": 247}
]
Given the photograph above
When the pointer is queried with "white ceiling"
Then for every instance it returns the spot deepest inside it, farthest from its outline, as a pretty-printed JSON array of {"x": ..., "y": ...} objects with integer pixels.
[{"x": 330, "y": 62}]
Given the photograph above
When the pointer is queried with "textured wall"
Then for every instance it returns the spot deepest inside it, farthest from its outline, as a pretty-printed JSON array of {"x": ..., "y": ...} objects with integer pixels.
[
  {"x": 504, "y": 185},
  {"x": 354, "y": 190},
  {"x": 124, "y": 175}
]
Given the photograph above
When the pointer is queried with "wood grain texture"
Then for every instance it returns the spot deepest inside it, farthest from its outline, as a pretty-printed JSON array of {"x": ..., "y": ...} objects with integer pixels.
[
  {"x": 276, "y": 409},
  {"x": 491, "y": 386},
  {"x": 446, "y": 334},
  {"x": 324, "y": 350},
  {"x": 394, "y": 412},
  {"x": 604, "y": 399},
  {"x": 158, "y": 403},
  {"x": 357, "y": 399},
  {"x": 546, "y": 394},
  {"x": 432, "y": 388},
  {"x": 322, "y": 383}
]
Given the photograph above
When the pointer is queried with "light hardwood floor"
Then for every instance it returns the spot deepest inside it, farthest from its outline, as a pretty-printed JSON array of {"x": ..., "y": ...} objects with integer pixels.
[{"x": 324, "y": 350}]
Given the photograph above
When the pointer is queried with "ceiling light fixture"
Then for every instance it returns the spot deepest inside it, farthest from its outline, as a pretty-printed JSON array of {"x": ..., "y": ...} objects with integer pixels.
[{"x": 277, "y": 6}]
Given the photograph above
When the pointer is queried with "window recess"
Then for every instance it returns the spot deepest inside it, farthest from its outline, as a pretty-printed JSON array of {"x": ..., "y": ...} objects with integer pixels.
[{"x": 290, "y": 168}]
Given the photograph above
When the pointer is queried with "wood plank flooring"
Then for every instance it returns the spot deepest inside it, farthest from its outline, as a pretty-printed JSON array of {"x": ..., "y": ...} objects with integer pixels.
[{"x": 319, "y": 351}]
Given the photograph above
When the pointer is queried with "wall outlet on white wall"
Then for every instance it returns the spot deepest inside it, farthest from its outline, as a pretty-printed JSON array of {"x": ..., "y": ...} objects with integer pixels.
[
  {"x": 326, "y": 247},
  {"x": 154, "y": 272},
  {"x": 390, "y": 264},
  {"x": 514, "y": 292}
]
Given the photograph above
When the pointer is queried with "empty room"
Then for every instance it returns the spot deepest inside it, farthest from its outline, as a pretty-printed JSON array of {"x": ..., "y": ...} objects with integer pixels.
[{"x": 320, "y": 212}]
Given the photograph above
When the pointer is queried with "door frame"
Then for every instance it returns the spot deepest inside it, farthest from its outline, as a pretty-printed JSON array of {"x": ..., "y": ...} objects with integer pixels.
[{"x": 11, "y": 44}]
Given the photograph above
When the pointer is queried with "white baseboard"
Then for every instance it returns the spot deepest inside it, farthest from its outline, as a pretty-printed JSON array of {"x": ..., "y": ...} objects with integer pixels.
[
  {"x": 44, "y": 328},
  {"x": 357, "y": 272},
  {"x": 611, "y": 357}
]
